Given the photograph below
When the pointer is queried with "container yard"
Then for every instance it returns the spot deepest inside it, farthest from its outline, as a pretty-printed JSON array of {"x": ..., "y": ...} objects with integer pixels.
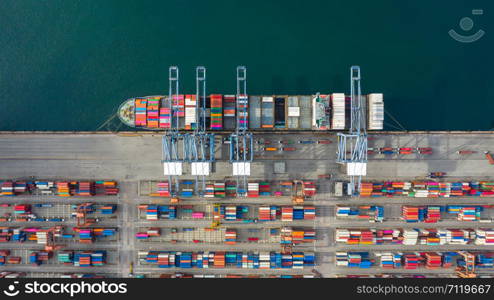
[{"x": 401, "y": 223}]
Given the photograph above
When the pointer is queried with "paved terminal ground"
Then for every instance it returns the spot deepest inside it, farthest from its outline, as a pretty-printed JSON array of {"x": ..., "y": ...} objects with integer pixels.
[{"x": 134, "y": 159}]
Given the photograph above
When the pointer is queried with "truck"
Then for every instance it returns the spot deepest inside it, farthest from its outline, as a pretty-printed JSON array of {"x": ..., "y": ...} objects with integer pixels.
[
  {"x": 437, "y": 174},
  {"x": 465, "y": 152},
  {"x": 338, "y": 189},
  {"x": 489, "y": 157}
]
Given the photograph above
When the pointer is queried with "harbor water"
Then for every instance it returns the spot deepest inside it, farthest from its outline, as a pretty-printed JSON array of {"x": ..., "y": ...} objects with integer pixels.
[{"x": 67, "y": 65}]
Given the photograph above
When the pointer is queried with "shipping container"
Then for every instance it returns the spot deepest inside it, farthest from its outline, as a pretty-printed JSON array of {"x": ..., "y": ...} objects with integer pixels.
[
  {"x": 267, "y": 112},
  {"x": 280, "y": 112},
  {"x": 216, "y": 113}
]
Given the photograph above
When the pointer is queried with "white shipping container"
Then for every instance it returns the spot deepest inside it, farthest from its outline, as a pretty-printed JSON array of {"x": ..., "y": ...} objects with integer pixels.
[
  {"x": 376, "y": 111},
  {"x": 267, "y": 99},
  {"x": 294, "y": 111},
  {"x": 338, "y": 110}
]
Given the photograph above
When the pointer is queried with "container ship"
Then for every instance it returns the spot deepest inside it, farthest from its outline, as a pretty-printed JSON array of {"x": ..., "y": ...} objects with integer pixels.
[{"x": 256, "y": 113}]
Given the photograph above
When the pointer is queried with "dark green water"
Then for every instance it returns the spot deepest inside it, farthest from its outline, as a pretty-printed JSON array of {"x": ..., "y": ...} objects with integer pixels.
[{"x": 67, "y": 64}]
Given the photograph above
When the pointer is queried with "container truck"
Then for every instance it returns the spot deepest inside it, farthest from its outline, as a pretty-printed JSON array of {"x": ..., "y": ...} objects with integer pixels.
[
  {"x": 338, "y": 189},
  {"x": 489, "y": 157}
]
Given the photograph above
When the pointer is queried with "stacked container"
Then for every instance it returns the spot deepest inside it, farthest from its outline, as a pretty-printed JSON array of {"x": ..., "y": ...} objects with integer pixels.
[
  {"x": 163, "y": 189},
  {"x": 338, "y": 110},
  {"x": 152, "y": 212},
  {"x": 186, "y": 188},
  {"x": 390, "y": 260},
  {"x": 410, "y": 236},
  {"x": 433, "y": 260},
  {"x": 108, "y": 209},
  {"x": 140, "y": 112},
  {"x": 22, "y": 209},
  {"x": 230, "y": 237},
  {"x": 66, "y": 257},
  {"x": 165, "y": 117},
  {"x": 468, "y": 214},
  {"x": 20, "y": 187},
  {"x": 264, "y": 189},
  {"x": 153, "y": 112},
  {"x": 231, "y": 189},
  {"x": 484, "y": 236},
  {"x": 221, "y": 259},
  {"x": 253, "y": 189},
  {"x": 280, "y": 112},
  {"x": 353, "y": 260},
  {"x": 243, "y": 111},
  {"x": 219, "y": 190},
  {"x": 309, "y": 212},
  {"x": 209, "y": 193},
  {"x": 190, "y": 112},
  {"x": 85, "y": 235},
  {"x": 63, "y": 189},
  {"x": 411, "y": 261},
  {"x": 267, "y": 111},
  {"x": 229, "y": 111},
  {"x": 216, "y": 112},
  {"x": 233, "y": 213},
  {"x": 287, "y": 214},
  {"x": 110, "y": 187},
  {"x": 45, "y": 187},
  {"x": 7, "y": 188},
  {"x": 85, "y": 188},
  {"x": 369, "y": 213},
  {"x": 410, "y": 213},
  {"x": 293, "y": 113},
  {"x": 14, "y": 260},
  {"x": 265, "y": 213},
  {"x": 376, "y": 111}
]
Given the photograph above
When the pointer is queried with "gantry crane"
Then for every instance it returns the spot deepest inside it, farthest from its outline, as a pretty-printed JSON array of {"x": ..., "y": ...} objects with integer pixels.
[
  {"x": 467, "y": 271},
  {"x": 50, "y": 238},
  {"x": 81, "y": 214},
  {"x": 298, "y": 196},
  {"x": 355, "y": 141},
  {"x": 199, "y": 146},
  {"x": 171, "y": 159},
  {"x": 241, "y": 142}
]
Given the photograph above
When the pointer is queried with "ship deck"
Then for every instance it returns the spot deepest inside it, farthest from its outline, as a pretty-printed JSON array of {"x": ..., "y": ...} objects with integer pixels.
[{"x": 282, "y": 113}]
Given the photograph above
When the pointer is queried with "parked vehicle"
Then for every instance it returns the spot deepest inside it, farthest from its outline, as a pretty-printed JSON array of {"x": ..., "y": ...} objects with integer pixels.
[
  {"x": 324, "y": 142},
  {"x": 465, "y": 152},
  {"x": 489, "y": 157},
  {"x": 437, "y": 174}
]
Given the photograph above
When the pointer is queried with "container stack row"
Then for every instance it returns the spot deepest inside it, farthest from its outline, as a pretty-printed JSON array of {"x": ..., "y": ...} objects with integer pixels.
[
  {"x": 429, "y": 189},
  {"x": 222, "y": 259}
]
